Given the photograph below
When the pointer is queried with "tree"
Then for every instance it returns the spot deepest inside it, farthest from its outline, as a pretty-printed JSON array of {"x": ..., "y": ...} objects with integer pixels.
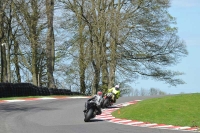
[
  {"x": 85, "y": 48},
  {"x": 28, "y": 15},
  {"x": 130, "y": 39},
  {"x": 150, "y": 44}
]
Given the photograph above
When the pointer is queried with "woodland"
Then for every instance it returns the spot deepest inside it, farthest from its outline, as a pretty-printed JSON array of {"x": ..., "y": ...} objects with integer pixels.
[{"x": 88, "y": 45}]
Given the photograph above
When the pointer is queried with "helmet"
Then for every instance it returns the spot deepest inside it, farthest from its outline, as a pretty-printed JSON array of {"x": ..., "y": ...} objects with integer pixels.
[
  {"x": 117, "y": 87},
  {"x": 99, "y": 93}
]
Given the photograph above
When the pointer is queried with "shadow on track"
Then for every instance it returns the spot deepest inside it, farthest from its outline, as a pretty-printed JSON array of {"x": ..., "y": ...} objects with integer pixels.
[
  {"x": 17, "y": 107},
  {"x": 94, "y": 120},
  {"x": 111, "y": 107}
]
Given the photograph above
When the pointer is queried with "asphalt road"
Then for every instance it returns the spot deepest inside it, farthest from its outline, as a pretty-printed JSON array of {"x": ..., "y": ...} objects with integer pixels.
[{"x": 62, "y": 116}]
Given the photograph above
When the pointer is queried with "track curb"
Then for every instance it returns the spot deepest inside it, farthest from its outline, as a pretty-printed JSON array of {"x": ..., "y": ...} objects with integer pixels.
[{"x": 42, "y": 98}]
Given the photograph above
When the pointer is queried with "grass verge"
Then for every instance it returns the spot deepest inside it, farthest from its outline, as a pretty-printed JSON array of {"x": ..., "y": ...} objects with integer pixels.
[{"x": 178, "y": 110}]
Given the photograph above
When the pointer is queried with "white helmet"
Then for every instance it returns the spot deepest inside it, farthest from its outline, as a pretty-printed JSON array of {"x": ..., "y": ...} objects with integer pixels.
[{"x": 117, "y": 87}]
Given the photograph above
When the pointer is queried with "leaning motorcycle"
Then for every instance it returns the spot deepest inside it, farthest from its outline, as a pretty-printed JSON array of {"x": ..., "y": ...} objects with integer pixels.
[
  {"x": 90, "y": 110},
  {"x": 107, "y": 100}
]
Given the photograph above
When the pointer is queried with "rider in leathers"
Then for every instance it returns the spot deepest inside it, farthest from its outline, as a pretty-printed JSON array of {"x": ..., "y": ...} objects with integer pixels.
[
  {"x": 115, "y": 90},
  {"x": 98, "y": 99}
]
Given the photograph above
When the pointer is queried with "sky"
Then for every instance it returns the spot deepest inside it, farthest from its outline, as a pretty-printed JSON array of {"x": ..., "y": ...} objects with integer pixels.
[{"x": 187, "y": 14}]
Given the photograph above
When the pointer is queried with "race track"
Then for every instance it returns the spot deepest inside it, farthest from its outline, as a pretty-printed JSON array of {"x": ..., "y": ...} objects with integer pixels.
[{"x": 62, "y": 116}]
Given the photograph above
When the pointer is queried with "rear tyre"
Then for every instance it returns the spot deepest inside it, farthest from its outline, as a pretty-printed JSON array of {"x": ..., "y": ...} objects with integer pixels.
[{"x": 88, "y": 115}]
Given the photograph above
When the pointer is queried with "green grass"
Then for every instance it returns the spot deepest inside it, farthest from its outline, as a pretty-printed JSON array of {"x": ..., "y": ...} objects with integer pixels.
[{"x": 178, "y": 110}]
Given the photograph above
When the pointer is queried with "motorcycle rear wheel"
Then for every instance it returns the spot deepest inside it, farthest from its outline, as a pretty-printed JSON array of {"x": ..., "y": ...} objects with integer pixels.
[{"x": 89, "y": 115}]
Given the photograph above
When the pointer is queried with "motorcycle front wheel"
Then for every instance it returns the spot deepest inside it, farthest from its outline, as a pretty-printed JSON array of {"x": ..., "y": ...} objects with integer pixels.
[
  {"x": 105, "y": 103},
  {"x": 88, "y": 115}
]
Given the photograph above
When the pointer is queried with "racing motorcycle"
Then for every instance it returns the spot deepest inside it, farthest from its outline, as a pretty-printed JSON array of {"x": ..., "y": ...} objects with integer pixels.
[
  {"x": 107, "y": 100},
  {"x": 91, "y": 110}
]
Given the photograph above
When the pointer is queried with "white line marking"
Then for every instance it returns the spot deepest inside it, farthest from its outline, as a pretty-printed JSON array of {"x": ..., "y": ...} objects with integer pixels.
[
  {"x": 14, "y": 101},
  {"x": 46, "y": 98},
  {"x": 135, "y": 123}
]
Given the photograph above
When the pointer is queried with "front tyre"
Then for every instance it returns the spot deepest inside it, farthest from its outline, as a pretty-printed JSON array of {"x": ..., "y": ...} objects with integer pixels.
[
  {"x": 105, "y": 103},
  {"x": 88, "y": 115}
]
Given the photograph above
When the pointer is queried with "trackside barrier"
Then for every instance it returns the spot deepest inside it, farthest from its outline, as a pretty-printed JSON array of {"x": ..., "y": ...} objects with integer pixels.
[{"x": 28, "y": 89}]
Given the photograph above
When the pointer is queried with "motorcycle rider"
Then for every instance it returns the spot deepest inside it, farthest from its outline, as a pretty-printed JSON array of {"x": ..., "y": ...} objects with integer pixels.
[
  {"x": 97, "y": 99},
  {"x": 115, "y": 90}
]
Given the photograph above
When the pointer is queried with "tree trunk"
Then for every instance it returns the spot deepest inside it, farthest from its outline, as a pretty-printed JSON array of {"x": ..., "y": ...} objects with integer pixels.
[
  {"x": 16, "y": 61},
  {"x": 112, "y": 65},
  {"x": 50, "y": 43},
  {"x": 9, "y": 42},
  {"x": 8, "y": 73},
  {"x": 3, "y": 64},
  {"x": 1, "y": 42},
  {"x": 96, "y": 78},
  {"x": 104, "y": 74},
  {"x": 113, "y": 43},
  {"x": 81, "y": 58},
  {"x": 34, "y": 64},
  {"x": 81, "y": 61}
]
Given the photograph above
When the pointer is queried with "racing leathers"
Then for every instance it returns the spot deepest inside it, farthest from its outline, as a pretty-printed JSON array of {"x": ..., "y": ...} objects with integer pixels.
[
  {"x": 116, "y": 93},
  {"x": 98, "y": 100}
]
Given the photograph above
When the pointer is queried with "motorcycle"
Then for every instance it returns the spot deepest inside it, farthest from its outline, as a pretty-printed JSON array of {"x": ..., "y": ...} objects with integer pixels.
[
  {"x": 107, "y": 100},
  {"x": 90, "y": 111}
]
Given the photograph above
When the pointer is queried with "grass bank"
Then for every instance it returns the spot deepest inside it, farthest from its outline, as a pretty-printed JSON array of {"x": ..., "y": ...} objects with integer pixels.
[{"x": 178, "y": 110}]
